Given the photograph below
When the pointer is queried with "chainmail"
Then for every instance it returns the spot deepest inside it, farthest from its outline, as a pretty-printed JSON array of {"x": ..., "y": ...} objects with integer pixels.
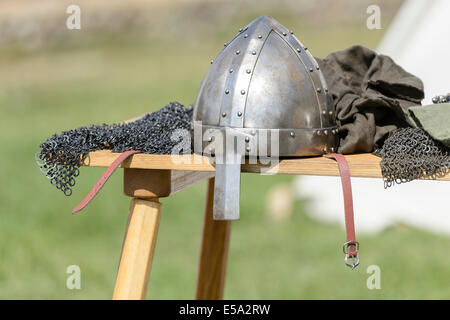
[
  {"x": 442, "y": 99},
  {"x": 411, "y": 153},
  {"x": 62, "y": 154}
]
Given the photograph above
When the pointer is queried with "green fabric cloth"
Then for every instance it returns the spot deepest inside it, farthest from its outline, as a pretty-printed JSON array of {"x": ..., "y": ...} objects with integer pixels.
[{"x": 434, "y": 119}]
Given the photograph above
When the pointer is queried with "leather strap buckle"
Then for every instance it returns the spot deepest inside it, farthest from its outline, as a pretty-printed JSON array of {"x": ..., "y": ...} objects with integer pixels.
[
  {"x": 354, "y": 244},
  {"x": 350, "y": 248},
  {"x": 354, "y": 260}
]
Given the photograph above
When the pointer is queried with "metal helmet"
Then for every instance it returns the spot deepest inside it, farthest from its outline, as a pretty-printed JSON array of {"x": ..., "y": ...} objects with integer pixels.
[{"x": 263, "y": 81}]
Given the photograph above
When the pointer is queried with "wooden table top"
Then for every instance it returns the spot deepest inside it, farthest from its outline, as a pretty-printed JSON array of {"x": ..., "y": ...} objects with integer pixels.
[{"x": 361, "y": 165}]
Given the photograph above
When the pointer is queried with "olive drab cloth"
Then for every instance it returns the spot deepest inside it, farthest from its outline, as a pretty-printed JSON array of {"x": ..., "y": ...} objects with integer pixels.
[
  {"x": 434, "y": 119},
  {"x": 371, "y": 94}
]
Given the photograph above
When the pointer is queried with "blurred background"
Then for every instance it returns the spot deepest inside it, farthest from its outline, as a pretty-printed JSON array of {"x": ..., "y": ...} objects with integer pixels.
[{"x": 134, "y": 57}]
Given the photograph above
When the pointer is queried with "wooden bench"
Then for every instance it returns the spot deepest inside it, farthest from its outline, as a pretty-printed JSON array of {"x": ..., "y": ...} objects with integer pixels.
[{"x": 150, "y": 177}]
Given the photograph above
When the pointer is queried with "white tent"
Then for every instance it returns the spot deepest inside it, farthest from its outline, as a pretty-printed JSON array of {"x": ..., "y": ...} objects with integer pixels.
[{"x": 417, "y": 40}]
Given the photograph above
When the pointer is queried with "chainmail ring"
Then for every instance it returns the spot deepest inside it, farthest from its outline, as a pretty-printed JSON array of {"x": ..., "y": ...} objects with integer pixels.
[
  {"x": 411, "y": 153},
  {"x": 62, "y": 154}
]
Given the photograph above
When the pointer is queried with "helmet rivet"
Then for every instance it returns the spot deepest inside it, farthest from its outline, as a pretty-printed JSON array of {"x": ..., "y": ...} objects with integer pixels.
[
  {"x": 319, "y": 90},
  {"x": 225, "y": 44},
  {"x": 326, "y": 89},
  {"x": 212, "y": 61},
  {"x": 330, "y": 113},
  {"x": 224, "y": 114},
  {"x": 260, "y": 36},
  {"x": 284, "y": 34},
  {"x": 317, "y": 67},
  {"x": 238, "y": 51},
  {"x": 240, "y": 30},
  {"x": 239, "y": 114},
  {"x": 292, "y": 134},
  {"x": 306, "y": 48},
  {"x": 253, "y": 52},
  {"x": 318, "y": 132},
  {"x": 311, "y": 69},
  {"x": 292, "y": 32},
  {"x": 227, "y": 91},
  {"x": 332, "y": 149},
  {"x": 299, "y": 50},
  {"x": 231, "y": 70},
  {"x": 247, "y": 139},
  {"x": 209, "y": 139},
  {"x": 242, "y": 91},
  {"x": 246, "y": 35},
  {"x": 253, "y": 132},
  {"x": 249, "y": 71},
  {"x": 324, "y": 149},
  {"x": 325, "y": 132},
  {"x": 247, "y": 149},
  {"x": 324, "y": 112}
]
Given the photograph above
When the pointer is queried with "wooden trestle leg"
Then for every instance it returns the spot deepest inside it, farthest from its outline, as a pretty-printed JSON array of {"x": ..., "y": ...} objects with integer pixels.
[
  {"x": 146, "y": 186},
  {"x": 138, "y": 249},
  {"x": 214, "y": 252}
]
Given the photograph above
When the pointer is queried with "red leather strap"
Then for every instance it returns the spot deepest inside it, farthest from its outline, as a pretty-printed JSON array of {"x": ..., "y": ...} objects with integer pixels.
[
  {"x": 103, "y": 179},
  {"x": 351, "y": 246}
]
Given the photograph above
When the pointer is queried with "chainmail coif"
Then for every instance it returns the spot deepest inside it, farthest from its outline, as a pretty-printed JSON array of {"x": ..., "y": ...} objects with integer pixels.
[
  {"x": 411, "y": 153},
  {"x": 62, "y": 154}
]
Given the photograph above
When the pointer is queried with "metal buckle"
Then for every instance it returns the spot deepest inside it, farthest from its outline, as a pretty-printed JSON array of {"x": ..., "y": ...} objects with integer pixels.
[{"x": 354, "y": 260}]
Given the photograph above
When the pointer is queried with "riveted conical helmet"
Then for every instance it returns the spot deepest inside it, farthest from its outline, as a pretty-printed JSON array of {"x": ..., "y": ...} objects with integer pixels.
[
  {"x": 263, "y": 79},
  {"x": 263, "y": 86}
]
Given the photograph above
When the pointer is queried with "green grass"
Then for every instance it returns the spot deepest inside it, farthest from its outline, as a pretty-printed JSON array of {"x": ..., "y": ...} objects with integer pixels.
[{"x": 44, "y": 92}]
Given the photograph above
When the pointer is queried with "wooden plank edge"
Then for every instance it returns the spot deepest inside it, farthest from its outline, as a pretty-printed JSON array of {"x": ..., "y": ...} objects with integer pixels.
[{"x": 361, "y": 165}]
